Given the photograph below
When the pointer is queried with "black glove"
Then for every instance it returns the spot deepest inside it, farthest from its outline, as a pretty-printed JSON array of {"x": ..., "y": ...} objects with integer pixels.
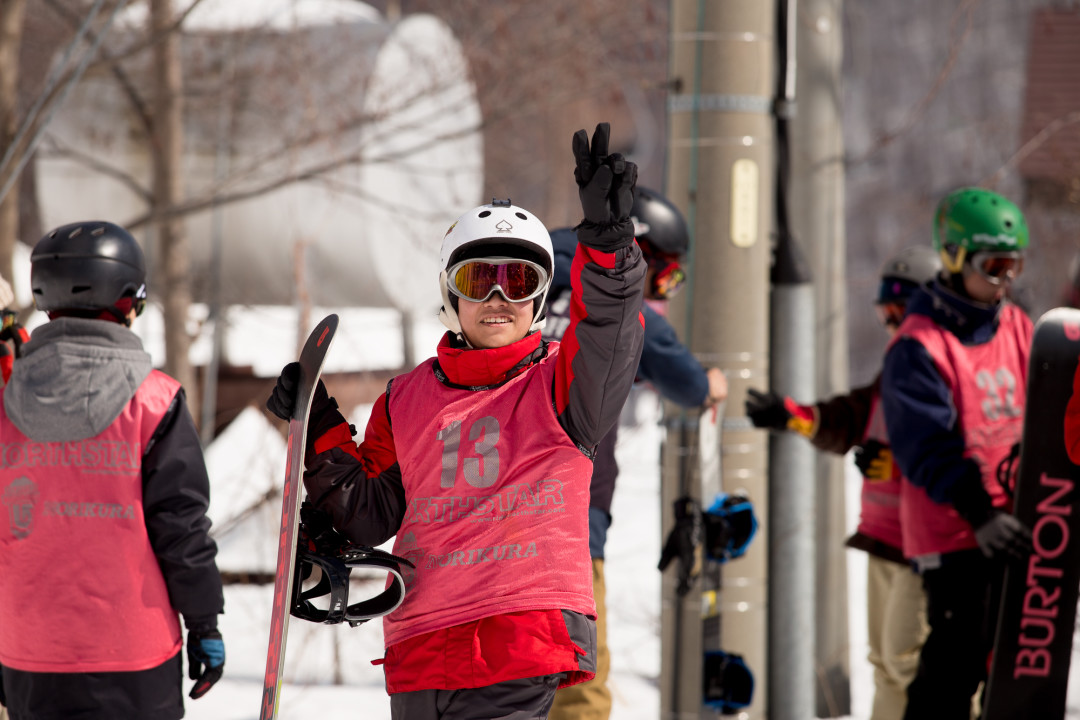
[
  {"x": 206, "y": 659},
  {"x": 324, "y": 409},
  {"x": 282, "y": 400},
  {"x": 1002, "y": 535},
  {"x": 766, "y": 410},
  {"x": 874, "y": 460},
  {"x": 684, "y": 542},
  {"x": 998, "y": 533},
  {"x": 606, "y": 189}
]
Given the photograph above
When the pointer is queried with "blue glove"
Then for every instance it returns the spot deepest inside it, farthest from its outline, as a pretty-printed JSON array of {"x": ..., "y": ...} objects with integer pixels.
[{"x": 206, "y": 659}]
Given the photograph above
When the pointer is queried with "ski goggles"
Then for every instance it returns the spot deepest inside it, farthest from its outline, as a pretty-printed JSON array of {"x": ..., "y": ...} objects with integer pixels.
[
  {"x": 516, "y": 280},
  {"x": 890, "y": 313},
  {"x": 998, "y": 268},
  {"x": 667, "y": 279}
]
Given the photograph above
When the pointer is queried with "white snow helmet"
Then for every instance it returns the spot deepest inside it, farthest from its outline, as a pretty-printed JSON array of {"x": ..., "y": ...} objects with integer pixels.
[
  {"x": 907, "y": 270},
  {"x": 496, "y": 230}
]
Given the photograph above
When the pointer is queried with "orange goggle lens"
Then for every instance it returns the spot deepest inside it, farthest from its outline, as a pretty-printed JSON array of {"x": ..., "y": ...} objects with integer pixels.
[
  {"x": 998, "y": 267},
  {"x": 517, "y": 280}
]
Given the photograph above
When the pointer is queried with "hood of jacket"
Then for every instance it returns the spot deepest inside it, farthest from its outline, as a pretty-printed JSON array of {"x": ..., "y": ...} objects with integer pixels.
[{"x": 74, "y": 379}]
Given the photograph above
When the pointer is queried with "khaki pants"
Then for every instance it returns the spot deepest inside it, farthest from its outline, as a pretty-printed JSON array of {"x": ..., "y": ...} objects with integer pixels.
[
  {"x": 590, "y": 700},
  {"x": 897, "y": 629}
]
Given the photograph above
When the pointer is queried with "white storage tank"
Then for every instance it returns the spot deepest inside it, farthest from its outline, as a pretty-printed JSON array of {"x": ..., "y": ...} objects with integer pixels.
[{"x": 365, "y": 131}]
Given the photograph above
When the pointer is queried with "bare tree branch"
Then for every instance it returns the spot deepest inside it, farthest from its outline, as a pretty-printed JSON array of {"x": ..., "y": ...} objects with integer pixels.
[{"x": 61, "y": 150}]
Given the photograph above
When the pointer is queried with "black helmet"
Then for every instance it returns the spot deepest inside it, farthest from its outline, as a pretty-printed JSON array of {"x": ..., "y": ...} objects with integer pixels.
[
  {"x": 87, "y": 266},
  {"x": 659, "y": 223},
  {"x": 324, "y": 561}
]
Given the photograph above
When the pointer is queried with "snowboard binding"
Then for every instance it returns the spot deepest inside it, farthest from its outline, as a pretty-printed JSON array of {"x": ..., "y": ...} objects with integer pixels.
[
  {"x": 326, "y": 557},
  {"x": 728, "y": 682},
  {"x": 730, "y": 525}
]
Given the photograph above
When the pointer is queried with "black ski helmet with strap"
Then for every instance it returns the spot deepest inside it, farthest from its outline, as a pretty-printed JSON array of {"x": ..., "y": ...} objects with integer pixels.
[
  {"x": 659, "y": 223},
  {"x": 87, "y": 265}
]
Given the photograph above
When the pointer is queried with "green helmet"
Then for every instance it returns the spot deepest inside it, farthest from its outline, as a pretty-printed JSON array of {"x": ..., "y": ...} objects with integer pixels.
[{"x": 974, "y": 219}]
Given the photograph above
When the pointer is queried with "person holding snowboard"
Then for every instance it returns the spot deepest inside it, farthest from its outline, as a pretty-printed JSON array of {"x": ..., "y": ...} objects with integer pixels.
[
  {"x": 953, "y": 391},
  {"x": 107, "y": 540},
  {"x": 666, "y": 364},
  {"x": 479, "y": 460},
  {"x": 895, "y": 602}
]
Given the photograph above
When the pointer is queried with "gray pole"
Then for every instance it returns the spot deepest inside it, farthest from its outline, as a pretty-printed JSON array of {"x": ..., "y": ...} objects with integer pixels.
[
  {"x": 720, "y": 173},
  {"x": 817, "y": 215},
  {"x": 791, "y": 495},
  {"x": 791, "y": 458}
]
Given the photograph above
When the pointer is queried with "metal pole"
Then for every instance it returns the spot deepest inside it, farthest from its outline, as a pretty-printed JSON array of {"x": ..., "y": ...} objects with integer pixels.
[
  {"x": 720, "y": 173},
  {"x": 817, "y": 211},
  {"x": 791, "y": 496},
  {"x": 791, "y": 458}
]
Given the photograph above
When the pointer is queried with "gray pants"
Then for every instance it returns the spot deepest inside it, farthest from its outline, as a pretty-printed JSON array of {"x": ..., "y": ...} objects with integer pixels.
[{"x": 524, "y": 699}]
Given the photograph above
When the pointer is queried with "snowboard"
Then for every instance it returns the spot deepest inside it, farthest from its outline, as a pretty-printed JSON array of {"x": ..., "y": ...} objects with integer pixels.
[
  {"x": 726, "y": 682},
  {"x": 311, "y": 362},
  {"x": 1029, "y": 669},
  {"x": 710, "y": 481}
]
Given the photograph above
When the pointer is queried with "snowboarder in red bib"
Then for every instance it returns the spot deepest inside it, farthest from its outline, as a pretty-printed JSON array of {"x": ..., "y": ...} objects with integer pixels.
[
  {"x": 953, "y": 391},
  {"x": 107, "y": 544},
  {"x": 895, "y": 602},
  {"x": 479, "y": 460}
]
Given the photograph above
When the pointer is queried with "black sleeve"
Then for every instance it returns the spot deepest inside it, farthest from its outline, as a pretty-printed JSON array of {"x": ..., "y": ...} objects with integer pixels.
[
  {"x": 602, "y": 345},
  {"x": 360, "y": 487},
  {"x": 842, "y": 420},
  {"x": 176, "y": 495}
]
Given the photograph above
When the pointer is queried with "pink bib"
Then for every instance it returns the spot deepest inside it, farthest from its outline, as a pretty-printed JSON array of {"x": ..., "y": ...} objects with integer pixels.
[
  {"x": 82, "y": 589},
  {"x": 498, "y": 498},
  {"x": 879, "y": 516},
  {"x": 988, "y": 385}
]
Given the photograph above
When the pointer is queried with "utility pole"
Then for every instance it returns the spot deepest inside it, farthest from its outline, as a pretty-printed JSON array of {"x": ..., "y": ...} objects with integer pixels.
[
  {"x": 792, "y": 462},
  {"x": 817, "y": 212},
  {"x": 720, "y": 173}
]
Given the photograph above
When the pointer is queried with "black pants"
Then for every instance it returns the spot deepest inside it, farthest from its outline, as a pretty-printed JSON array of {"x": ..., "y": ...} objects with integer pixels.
[
  {"x": 153, "y": 694},
  {"x": 962, "y": 607},
  {"x": 524, "y": 699}
]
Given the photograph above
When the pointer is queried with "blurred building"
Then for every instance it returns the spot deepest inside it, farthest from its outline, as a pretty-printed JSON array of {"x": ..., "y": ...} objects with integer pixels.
[{"x": 1048, "y": 160}]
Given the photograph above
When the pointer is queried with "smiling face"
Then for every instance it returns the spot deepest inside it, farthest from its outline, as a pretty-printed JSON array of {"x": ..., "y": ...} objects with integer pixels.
[{"x": 494, "y": 322}]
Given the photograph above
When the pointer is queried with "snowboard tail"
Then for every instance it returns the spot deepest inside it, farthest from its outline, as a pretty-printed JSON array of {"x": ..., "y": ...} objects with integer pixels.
[
  {"x": 1029, "y": 670},
  {"x": 311, "y": 362}
]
